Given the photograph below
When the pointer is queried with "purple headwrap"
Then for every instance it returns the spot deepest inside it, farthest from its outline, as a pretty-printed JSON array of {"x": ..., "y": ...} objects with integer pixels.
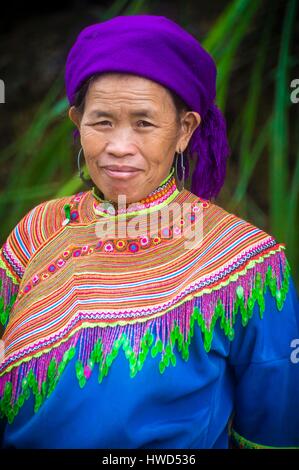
[{"x": 157, "y": 48}]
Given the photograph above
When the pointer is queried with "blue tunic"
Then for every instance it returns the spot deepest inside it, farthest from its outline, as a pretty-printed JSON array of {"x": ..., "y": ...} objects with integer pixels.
[{"x": 253, "y": 379}]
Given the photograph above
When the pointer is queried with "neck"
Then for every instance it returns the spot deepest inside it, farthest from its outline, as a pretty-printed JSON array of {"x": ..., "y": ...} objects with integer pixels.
[{"x": 160, "y": 196}]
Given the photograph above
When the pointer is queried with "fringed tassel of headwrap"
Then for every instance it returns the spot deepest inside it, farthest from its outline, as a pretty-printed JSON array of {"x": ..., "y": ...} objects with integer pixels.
[{"x": 210, "y": 145}]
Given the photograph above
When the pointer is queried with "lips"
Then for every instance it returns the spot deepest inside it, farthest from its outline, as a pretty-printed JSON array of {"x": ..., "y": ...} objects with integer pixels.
[
  {"x": 121, "y": 172},
  {"x": 122, "y": 168}
]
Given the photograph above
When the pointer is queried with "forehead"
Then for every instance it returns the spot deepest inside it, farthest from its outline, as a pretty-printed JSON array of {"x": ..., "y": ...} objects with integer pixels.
[
  {"x": 125, "y": 81},
  {"x": 112, "y": 88}
]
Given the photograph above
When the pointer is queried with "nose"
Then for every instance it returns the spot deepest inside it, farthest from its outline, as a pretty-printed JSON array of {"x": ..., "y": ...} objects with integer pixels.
[{"x": 121, "y": 143}]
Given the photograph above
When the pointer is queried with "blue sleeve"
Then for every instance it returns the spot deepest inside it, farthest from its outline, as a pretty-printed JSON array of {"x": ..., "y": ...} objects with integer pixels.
[{"x": 265, "y": 362}]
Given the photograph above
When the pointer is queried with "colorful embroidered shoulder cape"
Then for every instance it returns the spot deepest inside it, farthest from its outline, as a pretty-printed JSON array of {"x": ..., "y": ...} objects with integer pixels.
[{"x": 73, "y": 302}]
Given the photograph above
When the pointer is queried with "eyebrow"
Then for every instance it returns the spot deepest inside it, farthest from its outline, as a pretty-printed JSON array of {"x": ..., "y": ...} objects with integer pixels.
[{"x": 138, "y": 113}]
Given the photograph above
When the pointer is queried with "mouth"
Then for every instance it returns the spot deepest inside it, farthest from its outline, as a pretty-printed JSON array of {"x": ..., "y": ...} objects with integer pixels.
[{"x": 121, "y": 173}]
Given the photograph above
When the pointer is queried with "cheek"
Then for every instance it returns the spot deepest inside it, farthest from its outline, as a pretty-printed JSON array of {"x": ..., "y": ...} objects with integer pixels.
[
  {"x": 166, "y": 135},
  {"x": 162, "y": 144},
  {"x": 92, "y": 142}
]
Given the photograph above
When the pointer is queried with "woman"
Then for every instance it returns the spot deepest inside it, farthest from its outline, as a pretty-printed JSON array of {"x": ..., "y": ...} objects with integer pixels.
[{"x": 139, "y": 314}]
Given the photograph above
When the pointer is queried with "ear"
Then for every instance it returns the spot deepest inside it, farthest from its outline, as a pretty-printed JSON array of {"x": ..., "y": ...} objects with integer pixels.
[
  {"x": 75, "y": 116},
  {"x": 190, "y": 121}
]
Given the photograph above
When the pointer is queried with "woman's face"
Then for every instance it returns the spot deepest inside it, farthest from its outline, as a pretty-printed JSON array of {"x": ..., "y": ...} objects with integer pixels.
[{"x": 129, "y": 134}]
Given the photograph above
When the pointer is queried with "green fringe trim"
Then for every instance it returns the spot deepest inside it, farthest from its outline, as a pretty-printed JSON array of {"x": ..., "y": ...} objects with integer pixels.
[
  {"x": 48, "y": 386},
  {"x": 241, "y": 443},
  {"x": 5, "y": 310},
  {"x": 168, "y": 357}
]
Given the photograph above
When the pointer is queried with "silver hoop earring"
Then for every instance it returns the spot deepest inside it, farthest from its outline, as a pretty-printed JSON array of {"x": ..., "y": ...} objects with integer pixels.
[
  {"x": 182, "y": 169},
  {"x": 89, "y": 182}
]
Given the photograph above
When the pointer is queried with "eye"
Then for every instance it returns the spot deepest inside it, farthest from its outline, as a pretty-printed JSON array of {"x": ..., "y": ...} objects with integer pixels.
[
  {"x": 101, "y": 122},
  {"x": 146, "y": 122}
]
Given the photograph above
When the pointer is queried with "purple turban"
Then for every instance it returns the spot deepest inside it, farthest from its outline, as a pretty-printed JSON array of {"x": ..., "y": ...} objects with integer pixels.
[{"x": 157, "y": 48}]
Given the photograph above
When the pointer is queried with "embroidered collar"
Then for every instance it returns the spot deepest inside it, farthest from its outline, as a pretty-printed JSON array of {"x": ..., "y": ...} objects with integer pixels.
[{"x": 166, "y": 192}]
